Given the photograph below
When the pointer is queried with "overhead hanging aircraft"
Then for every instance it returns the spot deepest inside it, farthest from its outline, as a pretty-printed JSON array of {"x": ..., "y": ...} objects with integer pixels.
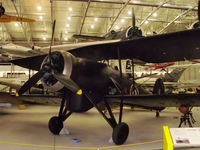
[
  {"x": 128, "y": 33},
  {"x": 83, "y": 81},
  {"x": 7, "y": 18}
]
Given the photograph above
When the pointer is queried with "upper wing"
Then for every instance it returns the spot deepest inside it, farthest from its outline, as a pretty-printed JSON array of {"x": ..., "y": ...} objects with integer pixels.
[{"x": 169, "y": 47}]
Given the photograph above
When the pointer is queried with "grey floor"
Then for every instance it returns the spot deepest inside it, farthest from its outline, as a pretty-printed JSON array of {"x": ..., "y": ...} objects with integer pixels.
[{"x": 27, "y": 129}]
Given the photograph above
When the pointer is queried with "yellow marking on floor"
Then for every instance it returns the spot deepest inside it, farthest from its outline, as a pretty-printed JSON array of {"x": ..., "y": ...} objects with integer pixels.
[
  {"x": 22, "y": 106},
  {"x": 64, "y": 147}
]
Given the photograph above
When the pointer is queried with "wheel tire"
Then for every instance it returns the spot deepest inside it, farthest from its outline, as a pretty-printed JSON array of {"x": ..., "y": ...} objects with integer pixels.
[
  {"x": 120, "y": 133},
  {"x": 2, "y": 10},
  {"x": 159, "y": 89},
  {"x": 55, "y": 125}
]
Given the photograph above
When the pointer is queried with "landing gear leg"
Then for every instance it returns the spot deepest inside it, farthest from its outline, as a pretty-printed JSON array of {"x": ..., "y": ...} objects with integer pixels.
[
  {"x": 157, "y": 114},
  {"x": 120, "y": 130},
  {"x": 56, "y": 122}
]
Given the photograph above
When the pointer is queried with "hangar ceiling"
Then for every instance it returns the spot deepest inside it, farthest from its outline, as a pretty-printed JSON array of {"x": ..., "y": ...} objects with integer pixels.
[{"x": 92, "y": 17}]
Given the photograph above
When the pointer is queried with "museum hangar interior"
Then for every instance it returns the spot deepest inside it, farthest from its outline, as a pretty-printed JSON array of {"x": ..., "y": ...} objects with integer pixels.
[{"x": 117, "y": 71}]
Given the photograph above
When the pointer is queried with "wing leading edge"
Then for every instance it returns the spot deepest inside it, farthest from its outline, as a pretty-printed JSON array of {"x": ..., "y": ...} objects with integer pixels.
[{"x": 166, "y": 100}]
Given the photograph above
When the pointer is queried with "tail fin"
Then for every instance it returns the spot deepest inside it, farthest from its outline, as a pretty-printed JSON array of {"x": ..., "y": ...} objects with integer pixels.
[{"x": 174, "y": 75}]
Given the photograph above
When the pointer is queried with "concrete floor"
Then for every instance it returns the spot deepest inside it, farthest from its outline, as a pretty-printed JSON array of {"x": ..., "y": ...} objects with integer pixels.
[{"x": 27, "y": 129}]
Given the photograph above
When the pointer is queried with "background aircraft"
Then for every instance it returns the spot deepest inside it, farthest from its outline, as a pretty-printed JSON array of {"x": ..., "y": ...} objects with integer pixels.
[
  {"x": 8, "y": 18},
  {"x": 16, "y": 51},
  {"x": 131, "y": 32}
]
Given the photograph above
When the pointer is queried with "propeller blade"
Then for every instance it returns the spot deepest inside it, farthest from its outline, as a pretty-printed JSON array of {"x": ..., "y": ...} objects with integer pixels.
[
  {"x": 52, "y": 39},
  {"x": 199, "y": 10},
  {"x": 31, "y": 82},
  {"x": 133, "y": 18},
  {"x": 68, "y": 83}
]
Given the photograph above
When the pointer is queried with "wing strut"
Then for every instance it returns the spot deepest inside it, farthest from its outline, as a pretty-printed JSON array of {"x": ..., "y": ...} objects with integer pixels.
[
  {"x": 122, "y": 91},
  {"x": 133, "y": 71}
]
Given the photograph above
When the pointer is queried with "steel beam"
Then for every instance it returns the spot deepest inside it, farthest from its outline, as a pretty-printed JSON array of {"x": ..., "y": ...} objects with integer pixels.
[
  {"x": 136, "y": 3},
  {"x": 5, "y": 30},
  {"x": 84, "y": 16},
  {"x": 25, "y": 27},
  {"x": 153, "y": 12},
  {"x": 177, "y": 17},
  {"x": 119, "y": 14}
]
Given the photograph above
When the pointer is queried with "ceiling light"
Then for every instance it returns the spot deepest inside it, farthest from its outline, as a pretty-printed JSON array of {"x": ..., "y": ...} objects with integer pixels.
[
  {"x": 65, "y": 38},
  {"x": 92, "y": 26},
  {"x": 39, "y": 8},
  {"x": 66, "y": 32},
  {"x": 41, "y": 17},
  {"x": 95, "y": 19},
  {"x": 129, "y": 12},
  {"x": 67, "y": 25},
  {"x": 44, "y": 38},
  {"x": 122, "y": 20},
  {"x": 69, "y": 18},
  {"x": 16, "y": 24},
  {"x": 146, "y": 22},
  {"x": 117, "y": 27},
  {"x": 70, "y": 9},
  {"x": 155, "y": 14}
]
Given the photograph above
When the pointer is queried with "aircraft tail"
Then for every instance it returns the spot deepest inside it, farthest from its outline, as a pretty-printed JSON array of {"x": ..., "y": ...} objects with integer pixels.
[{"x": 174, "y": 76}]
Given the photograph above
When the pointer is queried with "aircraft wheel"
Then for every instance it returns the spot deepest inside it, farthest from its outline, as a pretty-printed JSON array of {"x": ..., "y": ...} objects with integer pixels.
[
  {"x": 55, "y": 125},
  {"x": 120, "y": 133},
  {"x": 2, "y": 10}
]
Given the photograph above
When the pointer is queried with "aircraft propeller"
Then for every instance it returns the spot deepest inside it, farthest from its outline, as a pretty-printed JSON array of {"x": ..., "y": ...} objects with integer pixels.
[
  {"x": 199, "y": 10},
  {"x": 133, "y": 18},
  {"x": 49, "y": 67}
]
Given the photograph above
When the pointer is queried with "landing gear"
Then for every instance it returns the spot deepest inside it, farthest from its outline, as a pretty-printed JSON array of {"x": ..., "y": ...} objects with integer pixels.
[
  {"x": 157, "y": 114},
  {"x": 120, "y": 133},
  {"x": 56, "y": 122},
  {"x": 2, "y": 10},
  {"x": 55, "y": 125},
  {"x": 159, "y": 89},
  {"x": 120, "y": 130}
]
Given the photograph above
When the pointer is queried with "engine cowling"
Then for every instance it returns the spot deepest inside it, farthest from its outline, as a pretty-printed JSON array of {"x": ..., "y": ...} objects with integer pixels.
[
  {"x": 195, "y": 25},
  {"x": 133, "y": 32},
  {"x": 61, "y": 62}
]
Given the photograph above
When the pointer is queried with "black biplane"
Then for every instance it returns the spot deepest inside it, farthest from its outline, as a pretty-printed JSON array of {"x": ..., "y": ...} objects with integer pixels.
[{"x": 84, "y": 81}]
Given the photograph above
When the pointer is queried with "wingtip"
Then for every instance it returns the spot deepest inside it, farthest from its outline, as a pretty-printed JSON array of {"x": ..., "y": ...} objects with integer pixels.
[
  {"x": 79, "y": 92},
  {"x": 17, "y": 94}
]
